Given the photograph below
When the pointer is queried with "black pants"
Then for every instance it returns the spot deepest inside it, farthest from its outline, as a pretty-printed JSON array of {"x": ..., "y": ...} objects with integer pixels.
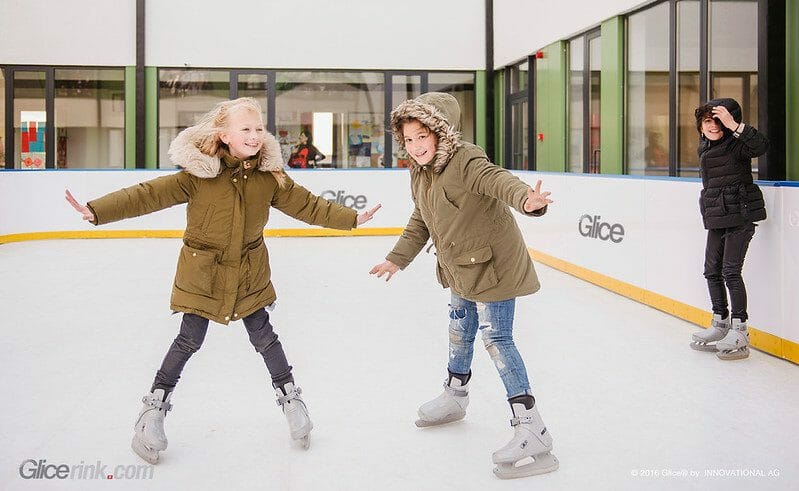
[
  {"x": 724, "y": 261},
  {"x": 192, "y": 335}
]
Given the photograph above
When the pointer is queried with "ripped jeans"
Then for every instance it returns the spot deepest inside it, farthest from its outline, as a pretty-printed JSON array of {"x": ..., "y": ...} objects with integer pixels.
[{"x": 494, "y": 320}]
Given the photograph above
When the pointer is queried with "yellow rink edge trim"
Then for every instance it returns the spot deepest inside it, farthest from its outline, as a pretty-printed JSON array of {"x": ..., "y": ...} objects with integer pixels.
[
  {"x": 769, "y": 343},
  {"x": 176, "y": 234}
]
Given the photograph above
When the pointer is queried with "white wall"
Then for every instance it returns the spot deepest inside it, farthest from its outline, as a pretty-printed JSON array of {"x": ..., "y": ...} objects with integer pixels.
[
  {"x": 68, "y": 32},
  {"x": 521, "y": 27},
  {"x": 380, "y": 34}
]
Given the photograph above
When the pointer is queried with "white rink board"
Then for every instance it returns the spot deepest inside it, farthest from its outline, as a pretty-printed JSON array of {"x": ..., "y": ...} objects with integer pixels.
[
  {"x": 51, "y": 212},
  {"x": 662, "y": 249}
]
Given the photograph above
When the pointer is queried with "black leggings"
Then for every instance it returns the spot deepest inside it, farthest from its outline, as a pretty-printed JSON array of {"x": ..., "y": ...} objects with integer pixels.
[
  {"x": 192, "y": 335},
  {"x": 724, "y": 261}
]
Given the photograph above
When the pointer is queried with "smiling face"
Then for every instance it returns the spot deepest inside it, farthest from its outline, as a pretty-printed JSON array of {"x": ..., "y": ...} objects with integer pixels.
[
  {"x": 711, "y": 129},
  {"x": 244, "y": 133},
  {"x": 420, "y": 142}
]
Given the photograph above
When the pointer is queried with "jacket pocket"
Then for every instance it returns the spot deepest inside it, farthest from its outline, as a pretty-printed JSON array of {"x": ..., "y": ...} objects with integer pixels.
[
  {"x": 257, "y": 268},
  {"x": 196, "y": 271},
  {"x": 474, "y": 270}
]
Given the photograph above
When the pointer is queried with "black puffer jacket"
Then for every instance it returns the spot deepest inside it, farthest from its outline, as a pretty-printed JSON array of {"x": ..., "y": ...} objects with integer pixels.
[{"x": 729, "y": 198}]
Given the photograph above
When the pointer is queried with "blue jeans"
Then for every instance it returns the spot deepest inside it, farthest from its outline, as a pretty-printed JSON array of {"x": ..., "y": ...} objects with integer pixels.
[{"x": 495, "y": 322}]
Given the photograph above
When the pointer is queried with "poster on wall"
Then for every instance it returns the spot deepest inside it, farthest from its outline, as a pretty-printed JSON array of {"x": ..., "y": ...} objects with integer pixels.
[
  {"x": 364, "y": 140},
  {"x": 32, "y": 128}
]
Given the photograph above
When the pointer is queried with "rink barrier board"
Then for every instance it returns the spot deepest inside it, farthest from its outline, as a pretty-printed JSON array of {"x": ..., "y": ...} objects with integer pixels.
[{"x": 761, "y": 340}]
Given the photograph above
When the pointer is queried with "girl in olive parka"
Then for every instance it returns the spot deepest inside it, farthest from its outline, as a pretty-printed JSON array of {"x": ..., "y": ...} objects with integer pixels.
[
  {"x": 232, "y": 174},
  {"x": 462, "y": 203}
]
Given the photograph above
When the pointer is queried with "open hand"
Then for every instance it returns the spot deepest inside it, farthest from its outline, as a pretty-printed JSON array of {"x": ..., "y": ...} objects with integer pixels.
[
  {"x": 82, "y": 209},
  {"x": 383, "y": 268},
  {"x": 725, "y": 117},
  {"x": 367, "y": 215},
  {"x": 536, "y": 199}
]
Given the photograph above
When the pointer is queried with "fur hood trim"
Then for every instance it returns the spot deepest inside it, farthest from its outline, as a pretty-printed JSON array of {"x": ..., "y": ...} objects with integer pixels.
[
  {"x": 439, "y": 112},
  {"x": 184, "y": 153}
]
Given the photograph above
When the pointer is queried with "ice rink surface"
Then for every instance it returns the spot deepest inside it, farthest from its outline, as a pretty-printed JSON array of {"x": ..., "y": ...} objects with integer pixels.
[{"x": 85, "y": 324}]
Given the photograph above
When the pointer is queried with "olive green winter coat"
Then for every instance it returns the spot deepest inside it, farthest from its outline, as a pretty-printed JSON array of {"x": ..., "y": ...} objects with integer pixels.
[
  {"x": 462, "y": 203},
  {"x": 223, "y": 271}
]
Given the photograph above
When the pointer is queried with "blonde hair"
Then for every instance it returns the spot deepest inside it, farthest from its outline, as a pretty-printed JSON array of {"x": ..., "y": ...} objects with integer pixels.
[{"x": 205, "y": 134}]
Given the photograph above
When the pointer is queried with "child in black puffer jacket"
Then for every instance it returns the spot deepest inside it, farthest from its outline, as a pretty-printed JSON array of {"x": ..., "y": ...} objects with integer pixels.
[{"x": 730, "y": 204}]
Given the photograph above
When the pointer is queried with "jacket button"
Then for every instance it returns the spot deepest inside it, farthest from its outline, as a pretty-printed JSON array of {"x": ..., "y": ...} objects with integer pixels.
[
  {"x": 227, "y": 317},
  {"x": 235, "y": 180},
  {"x": 235, "y": 315},
  {"x": 245, "y": 177},
  {"x": 472, "y": 259},
  {"x": 193, "y": 254}
]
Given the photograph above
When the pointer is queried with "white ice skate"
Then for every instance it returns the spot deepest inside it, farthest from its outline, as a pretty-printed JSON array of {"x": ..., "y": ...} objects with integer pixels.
[
  {"x": 528, "y": 452},
  {"x": 449, "y": 406},
  {"x": 716, "y": 332},
  {"x": 300, "y": 425},
  {"x": 735, "y": 345},
  {"x": 149, "y": 437}
]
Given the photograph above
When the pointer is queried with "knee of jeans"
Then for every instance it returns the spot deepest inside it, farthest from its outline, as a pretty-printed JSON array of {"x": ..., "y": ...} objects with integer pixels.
[
  {"x": 188, "y": 344},
  {"x": 494, "y": 352},
  {"x": 731, "y": 274},
  {"x": 456, "y": 312},
  {"x": 263, "y": 343}
]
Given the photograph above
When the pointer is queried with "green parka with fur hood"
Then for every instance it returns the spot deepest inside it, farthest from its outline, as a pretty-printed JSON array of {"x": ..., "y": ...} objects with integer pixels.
[
  {"x": 462, "y": 203},
  {"x": 223, "y": 271}
]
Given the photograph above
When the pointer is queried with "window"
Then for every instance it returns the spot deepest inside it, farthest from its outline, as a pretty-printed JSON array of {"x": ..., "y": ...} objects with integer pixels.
[
  {"x": 575, "y": 105},
  {"x": 688, "y": 55},
  {"x": 647, "y": 138},
  {"x": 733, "y": 55},
  {"x": 89, "y": 118},
  {"x": 183, "y": 97},
  {"x": 30, "y": 119},
  {"x": 339, "y": 115}
]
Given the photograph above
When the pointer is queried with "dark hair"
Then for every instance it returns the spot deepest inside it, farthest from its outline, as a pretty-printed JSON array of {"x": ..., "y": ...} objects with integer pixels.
[{"x": 702, "y": 112}]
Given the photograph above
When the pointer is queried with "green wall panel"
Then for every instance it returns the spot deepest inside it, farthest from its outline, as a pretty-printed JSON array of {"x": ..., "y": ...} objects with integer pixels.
[
  {"x": 130, "y": 117},
  {"x": 611, "y": 138},
  {"x": 550, "y": 97},
  {"x": 499, "y": 118},
  {"x": 151, "y": 117}
]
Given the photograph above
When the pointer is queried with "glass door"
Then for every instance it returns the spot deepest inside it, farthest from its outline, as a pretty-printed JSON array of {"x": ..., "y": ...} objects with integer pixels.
[{"x": 584, "y": 94}]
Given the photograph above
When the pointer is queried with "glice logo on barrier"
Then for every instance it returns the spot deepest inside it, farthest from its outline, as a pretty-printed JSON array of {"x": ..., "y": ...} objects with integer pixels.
[
  {"x": 348, "y": 200},
  {"x": 40, "y": 469},
  {"x": 591, "y": 227}
]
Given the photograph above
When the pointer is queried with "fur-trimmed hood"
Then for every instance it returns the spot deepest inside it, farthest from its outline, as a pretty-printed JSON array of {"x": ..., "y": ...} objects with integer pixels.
[
  {"x": 438, "y": 111},
  {"x": 184, "y": 153}
]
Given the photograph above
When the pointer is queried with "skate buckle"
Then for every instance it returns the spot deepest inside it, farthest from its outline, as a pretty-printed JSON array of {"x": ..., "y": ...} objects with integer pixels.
[
  {"x": 153, "y": 402},
  {"x": 521, "y": 420},
  {"x": 294, "y": 394}
]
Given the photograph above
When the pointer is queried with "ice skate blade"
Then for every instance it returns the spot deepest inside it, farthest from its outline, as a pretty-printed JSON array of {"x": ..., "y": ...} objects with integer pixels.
[
  {"x": 738, "y": 354},
  {"x": 703, "y": 347},
  {"x": 543, "y": 464},
  {"x": 148, "y": 454},
  {"x": 424, "y": 423}
]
